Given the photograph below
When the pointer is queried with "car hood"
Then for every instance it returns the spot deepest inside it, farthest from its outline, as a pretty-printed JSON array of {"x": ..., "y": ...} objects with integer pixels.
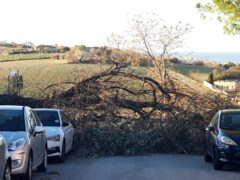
[
  {"x": 12, "y": 136},
  {"x": 233, "y": 134},
  {"x": 50, "y": 131}
]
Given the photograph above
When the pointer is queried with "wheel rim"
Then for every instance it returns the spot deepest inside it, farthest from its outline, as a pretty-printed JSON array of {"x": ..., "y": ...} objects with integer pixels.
[{"x": 7, "y": 175}]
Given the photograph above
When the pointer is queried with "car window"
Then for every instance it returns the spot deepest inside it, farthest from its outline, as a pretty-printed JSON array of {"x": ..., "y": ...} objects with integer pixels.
[
  {"x": 31, "y": 121},
  {"x": 38, "y": 122},
  {"x": 214, "y": 121},
  {"x": 230, "y": 121},
  {"x": 48, "y": 118},
  {"x": 12, "y": 120}
]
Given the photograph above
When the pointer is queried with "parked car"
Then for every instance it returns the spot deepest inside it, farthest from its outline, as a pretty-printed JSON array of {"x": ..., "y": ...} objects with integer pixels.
[
  {"x": 222, "y": 139},
  {"x": 59, "y": 131},
  {"x": 26, "y": 139},
  {"x": 5, "y": 161}
]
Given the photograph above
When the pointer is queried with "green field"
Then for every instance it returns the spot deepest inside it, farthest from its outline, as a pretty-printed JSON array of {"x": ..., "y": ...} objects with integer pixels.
[
  {"x": 198, "y": 73},
  {"x": 17, "y": 57},
  {"x": 38, "y": 74}
]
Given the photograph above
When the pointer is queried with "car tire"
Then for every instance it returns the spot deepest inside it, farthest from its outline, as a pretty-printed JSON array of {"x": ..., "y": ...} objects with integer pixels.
[
  {"x": 70, "y": 150},
  {"x": 217, "y": 164},
  {"x": 207, "y": 157},
  {"x": 7, "y": 172},
  {"x": 63, "y": 153},
  {"x": 43, "y": 166},
  {"x": 28, "y": 174}
]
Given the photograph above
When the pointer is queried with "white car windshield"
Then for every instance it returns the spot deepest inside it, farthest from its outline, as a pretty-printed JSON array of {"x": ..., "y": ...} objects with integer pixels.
[{"x": 49, "y": 118}]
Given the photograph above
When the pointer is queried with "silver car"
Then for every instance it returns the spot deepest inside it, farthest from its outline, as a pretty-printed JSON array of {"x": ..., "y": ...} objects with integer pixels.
[
  {"x": 26, "y": 138},
  {"x": 5, "y": 161}
]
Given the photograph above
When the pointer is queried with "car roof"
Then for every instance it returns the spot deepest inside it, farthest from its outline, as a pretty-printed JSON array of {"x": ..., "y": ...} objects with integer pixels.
[
  {"x": 230, "y": 111},
  {"x": 46, "y": 109},
  {"x": 8, "y": 107}
]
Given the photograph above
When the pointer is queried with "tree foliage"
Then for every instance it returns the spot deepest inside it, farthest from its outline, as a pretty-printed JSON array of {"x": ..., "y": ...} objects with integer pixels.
[{"x": 227, "y": 11}]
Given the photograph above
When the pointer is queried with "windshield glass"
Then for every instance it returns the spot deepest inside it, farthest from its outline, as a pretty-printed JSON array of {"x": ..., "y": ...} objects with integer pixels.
[
  {"x": 12, "y": 120},
  {"x": 230, "y": 121},
  {"x": 49, "y": 118}
]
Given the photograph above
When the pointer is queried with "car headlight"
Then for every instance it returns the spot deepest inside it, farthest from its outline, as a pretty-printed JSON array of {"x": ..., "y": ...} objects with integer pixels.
[
  {"x": 54, "y": 138},
  {"x": 228, "y": 141},
  {"x": 17, "y": 144}
]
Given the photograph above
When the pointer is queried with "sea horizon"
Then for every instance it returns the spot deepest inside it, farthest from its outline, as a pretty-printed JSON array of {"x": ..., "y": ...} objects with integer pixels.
[{"x": 219, "y": 57}]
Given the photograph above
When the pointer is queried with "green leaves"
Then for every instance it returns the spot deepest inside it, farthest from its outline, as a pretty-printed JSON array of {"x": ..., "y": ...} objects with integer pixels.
[{"x": 226, "y": 11}]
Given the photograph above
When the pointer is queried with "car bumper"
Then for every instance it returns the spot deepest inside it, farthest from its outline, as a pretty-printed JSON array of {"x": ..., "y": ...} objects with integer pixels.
[
  {"x": 54, "y": 148},
  {"x": 19, "y": 161},
  {"x": 230, "y": 155}
]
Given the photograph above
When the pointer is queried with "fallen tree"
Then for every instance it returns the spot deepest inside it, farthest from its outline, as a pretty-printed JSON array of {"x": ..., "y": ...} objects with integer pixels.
[
  {"x": 122, "y": 112},
  {"x": 119, "y": 112}
]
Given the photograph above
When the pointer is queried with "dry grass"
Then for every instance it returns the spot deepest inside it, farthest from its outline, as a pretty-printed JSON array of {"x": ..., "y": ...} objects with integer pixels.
[{"x": 200, "y": 77}]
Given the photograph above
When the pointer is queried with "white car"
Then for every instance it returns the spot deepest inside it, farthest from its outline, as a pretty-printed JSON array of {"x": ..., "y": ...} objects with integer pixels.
[{"x": 59, "y": 131}]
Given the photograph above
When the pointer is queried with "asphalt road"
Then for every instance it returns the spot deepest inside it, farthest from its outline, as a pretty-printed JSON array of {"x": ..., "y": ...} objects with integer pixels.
[{"x": 154, "y": 167}]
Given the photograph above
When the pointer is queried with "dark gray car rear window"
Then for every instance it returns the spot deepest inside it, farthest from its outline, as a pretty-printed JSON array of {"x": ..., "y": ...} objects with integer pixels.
[
  {"x": 49, "y": 118},
  {"x": 230, "y": 121},
  {"x": 12, "y": 120}
]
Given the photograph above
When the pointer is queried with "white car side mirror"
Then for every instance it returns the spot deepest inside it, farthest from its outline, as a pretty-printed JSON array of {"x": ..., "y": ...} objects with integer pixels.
[{"x": 38, "y": 130}]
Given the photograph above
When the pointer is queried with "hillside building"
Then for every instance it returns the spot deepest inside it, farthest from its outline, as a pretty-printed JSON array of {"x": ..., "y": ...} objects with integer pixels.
[{"x": 228, "y": 85}]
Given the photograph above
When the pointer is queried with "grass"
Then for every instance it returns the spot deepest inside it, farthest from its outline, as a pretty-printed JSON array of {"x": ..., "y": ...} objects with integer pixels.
[
  {"x": 38, "y": 74},
  {"x": 17, "y": 57},
  {"x": 198, "y": 73}
]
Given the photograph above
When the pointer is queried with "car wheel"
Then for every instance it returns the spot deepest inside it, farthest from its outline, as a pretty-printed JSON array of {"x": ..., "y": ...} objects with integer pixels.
[
  {"x": 28, "y": 174},
  {"x": 43, "y": 166},
  {"x": 7, "y": 172},
  {"x": 217, "y": 164},
  {"x": 207, "y": 158},
  {"x": 70, "y": 150},
  {"x": 62, "y": 156}
]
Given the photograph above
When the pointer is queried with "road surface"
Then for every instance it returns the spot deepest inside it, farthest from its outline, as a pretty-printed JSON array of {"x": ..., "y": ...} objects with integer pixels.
[{"x": 153, "y": 167}]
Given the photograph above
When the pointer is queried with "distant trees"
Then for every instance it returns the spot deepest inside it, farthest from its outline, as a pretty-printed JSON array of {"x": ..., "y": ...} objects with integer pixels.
[
  {"x": 227, "y": 11},
  {"x": 228, "y": 65},
  {"x": 211, "y": 78},
  {"x": 75, "y": 54},
  {"x": 28, "y": 44},
  {"x": 230, "y": 74},
  {"x": 199, "y": 63},
  {"x": 63, "y": 49}
]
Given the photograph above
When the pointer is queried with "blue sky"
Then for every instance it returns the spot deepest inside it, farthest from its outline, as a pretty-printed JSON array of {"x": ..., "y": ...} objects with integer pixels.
[{"x": 71, "y": 22}]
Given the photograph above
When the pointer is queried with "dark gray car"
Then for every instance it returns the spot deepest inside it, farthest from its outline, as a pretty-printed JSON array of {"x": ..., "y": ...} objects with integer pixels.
[
  {"x": 26, "y": 139},
  {"x": 5, "y": 161}
]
